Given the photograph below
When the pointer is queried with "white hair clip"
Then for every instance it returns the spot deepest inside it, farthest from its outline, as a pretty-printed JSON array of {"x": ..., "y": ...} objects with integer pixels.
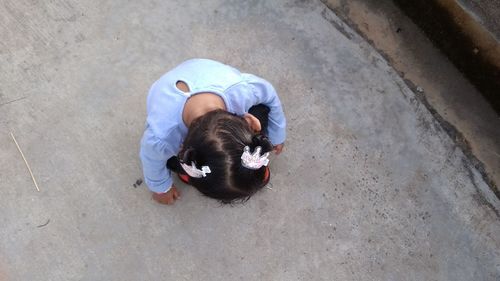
[
  {"x": 194, "y": 172},
  {"x": 254, "y": 161}
]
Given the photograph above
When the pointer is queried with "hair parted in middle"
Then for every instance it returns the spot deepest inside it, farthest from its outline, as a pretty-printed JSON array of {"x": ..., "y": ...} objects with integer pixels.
[{"x": 217, "y": 140}]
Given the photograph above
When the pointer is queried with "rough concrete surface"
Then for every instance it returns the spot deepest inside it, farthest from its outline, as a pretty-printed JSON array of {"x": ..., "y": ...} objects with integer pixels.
[
  {"x": 464, "y": 112},
  {"x": 369, "y": 188}
]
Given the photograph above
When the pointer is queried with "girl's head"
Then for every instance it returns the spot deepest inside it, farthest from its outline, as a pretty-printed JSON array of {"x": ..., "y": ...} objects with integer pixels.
[{"x": 217, "y": 140}]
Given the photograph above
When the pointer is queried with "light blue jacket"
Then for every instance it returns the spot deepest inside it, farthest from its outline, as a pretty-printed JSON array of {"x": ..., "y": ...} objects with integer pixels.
[{"x": 165, "y": 129}]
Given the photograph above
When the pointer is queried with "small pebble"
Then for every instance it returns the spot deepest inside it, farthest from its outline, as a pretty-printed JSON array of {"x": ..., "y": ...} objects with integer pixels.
[
  {"x": 420, "y": 89},
  {"x": 138, "y": 182}
]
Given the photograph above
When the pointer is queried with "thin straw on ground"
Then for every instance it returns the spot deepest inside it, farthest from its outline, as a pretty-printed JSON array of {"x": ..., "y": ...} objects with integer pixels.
[{"x": 25, "y": 162}]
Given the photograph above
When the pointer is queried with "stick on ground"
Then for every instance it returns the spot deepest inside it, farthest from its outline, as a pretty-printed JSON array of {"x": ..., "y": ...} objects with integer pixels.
[{"x": 25, "y": 162}]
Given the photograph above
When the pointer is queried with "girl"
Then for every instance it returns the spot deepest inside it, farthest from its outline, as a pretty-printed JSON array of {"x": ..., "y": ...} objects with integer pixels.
[{"x": 198, "y": 111}]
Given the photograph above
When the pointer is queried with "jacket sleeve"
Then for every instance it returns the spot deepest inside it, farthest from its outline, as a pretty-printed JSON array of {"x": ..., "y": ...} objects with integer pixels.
[
  {"x": 264, "y": 93},
  {"x": 154, "y": 154}
]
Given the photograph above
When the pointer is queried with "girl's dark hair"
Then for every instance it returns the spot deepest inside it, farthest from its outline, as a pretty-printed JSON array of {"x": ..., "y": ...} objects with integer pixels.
[{"x": 217, "y": 140}]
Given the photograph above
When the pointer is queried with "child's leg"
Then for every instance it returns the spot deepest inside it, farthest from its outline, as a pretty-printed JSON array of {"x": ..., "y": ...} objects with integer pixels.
[{"x": 261, "y": 112}]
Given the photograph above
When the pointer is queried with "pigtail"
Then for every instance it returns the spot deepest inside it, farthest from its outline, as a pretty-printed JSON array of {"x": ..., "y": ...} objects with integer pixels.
[
  {"x": 262, "y": 141},
  {"x": 252, "y": 169}
]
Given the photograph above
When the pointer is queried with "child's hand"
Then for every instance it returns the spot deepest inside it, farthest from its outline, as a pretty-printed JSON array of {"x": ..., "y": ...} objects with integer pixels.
[
  {"x": 278, "y": 148},
  {"x": 167, "y": 198}
]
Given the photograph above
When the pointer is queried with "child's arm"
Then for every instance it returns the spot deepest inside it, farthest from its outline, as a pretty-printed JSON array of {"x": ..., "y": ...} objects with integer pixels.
[
  {"x": 154, "y": 155},
  {"x": 264, "y": 93}
]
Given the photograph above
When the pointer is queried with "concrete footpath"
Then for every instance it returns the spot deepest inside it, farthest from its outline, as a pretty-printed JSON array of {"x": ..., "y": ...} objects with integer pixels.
[{"x": 370, "y": 186}]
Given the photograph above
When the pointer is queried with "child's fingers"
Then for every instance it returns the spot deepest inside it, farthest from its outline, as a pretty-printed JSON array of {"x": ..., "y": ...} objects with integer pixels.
[
  {"x": 176, "y": 194},
  {"x": 170, "y": 201},
  {"x": 278, "y": 148}
]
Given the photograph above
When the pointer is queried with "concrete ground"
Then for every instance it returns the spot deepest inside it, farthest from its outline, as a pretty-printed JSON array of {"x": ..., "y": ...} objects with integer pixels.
[
  {"x": 461, "y": 109},
  {"x": 371, "y": 187}
]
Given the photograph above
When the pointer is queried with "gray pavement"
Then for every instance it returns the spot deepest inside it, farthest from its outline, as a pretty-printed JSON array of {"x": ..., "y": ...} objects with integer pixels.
[{"x": 369, "y": 188}]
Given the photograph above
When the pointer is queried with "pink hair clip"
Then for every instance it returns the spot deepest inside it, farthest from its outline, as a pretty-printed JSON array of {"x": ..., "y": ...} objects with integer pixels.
[{"x": 255, "y": 160}]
